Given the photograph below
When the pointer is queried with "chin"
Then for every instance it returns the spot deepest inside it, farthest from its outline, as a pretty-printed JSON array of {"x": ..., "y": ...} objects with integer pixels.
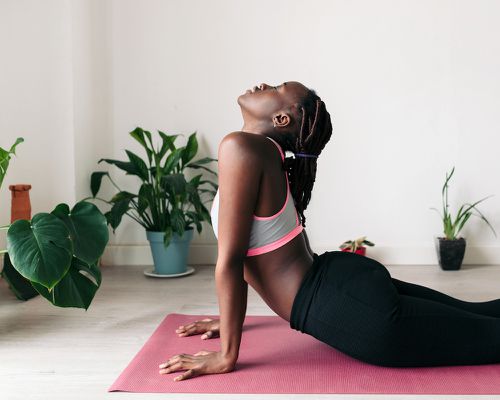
[{"x": 242, "y": 96}]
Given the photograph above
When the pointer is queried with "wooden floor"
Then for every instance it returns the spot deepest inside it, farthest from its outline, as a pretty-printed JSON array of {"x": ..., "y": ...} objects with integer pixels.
[{"x": 53, "y": 353}]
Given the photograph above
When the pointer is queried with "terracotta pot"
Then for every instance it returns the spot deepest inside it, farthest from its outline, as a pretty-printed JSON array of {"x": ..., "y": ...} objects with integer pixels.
[
  {"x": 21, "y": 205},
  {"x": 20, "y": 209}
]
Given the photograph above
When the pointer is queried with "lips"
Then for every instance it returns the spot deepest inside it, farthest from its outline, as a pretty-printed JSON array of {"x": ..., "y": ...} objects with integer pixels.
[{"x": 254, "y": 89}]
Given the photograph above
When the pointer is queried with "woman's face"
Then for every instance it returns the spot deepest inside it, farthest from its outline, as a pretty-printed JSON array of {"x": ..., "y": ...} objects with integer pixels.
[{"x": 263, "y": 101}]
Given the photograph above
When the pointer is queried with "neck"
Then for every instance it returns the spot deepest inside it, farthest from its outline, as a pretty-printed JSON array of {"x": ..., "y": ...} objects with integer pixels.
[{"x": 258, "y": 127}]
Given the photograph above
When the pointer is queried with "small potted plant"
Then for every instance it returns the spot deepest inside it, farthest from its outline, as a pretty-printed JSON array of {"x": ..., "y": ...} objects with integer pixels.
[
  {"x": 450, "y": 248},
  {"x": 166, "y": 205},
  {"x": 356, "y": 246},
  {"x": 57, "y": 253}
]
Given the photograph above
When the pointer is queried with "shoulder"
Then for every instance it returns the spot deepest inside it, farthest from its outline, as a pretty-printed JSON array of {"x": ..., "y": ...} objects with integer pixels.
[{"x": 244, "y": 144}]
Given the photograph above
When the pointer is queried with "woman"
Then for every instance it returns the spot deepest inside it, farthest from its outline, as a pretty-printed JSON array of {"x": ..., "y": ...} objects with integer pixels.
[{"x": 346, "y": 300}]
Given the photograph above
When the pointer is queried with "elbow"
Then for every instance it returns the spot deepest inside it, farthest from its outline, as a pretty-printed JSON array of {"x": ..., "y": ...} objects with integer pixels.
[{"x": 230, "y": 259}]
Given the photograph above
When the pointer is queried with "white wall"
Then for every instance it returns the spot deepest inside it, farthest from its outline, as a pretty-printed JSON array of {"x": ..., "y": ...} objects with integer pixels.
[
  {"x": 36, "y": 103},
  {"x": 412, "y": 88}
]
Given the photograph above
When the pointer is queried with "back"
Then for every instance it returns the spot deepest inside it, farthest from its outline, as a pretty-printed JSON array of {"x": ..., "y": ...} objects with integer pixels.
[{"x": 269, "y": 232}]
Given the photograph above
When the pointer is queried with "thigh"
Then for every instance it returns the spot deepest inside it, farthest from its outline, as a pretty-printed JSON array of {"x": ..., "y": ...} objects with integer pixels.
[
  {"x": 360, "y": 278},
  {"x": 353, "y": 303}
]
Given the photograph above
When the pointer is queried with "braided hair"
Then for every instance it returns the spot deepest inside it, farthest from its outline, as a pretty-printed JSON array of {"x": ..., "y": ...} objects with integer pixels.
[{"x": 315, "y": 131}]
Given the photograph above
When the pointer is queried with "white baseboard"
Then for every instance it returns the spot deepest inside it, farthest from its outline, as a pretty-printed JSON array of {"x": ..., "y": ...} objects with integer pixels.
[{"x": 206, "y": 254}]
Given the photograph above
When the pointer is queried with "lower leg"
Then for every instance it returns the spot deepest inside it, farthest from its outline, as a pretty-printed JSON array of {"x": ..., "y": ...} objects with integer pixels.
[
  {"x": 429, "y": 333},
  {"x": 490, "y": 308}
]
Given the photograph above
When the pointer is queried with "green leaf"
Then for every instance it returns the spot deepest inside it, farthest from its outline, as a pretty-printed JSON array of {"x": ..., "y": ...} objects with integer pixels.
[
  {"x": 95, "y": 181},
  {"x": 174, "y": 183},
  {"x": 13, "y": 147},
  {"x": 201, "y": 161},
  {"x": 122, "y": 195},
  {"x": 172, "y": 160},
  {"x": 117, "y": 211},
  {"x": 138, "y": 134},
  {"x": 18, "y": 284},
  {"x": 141, "y": 169},
  {"x": 128, "y": 167},
  {"x": 191, "y": 149},
  {"x": 214, "y": 185},
  {"x": 195, "y": 166},
  {"x": 177, "y": 221},
  {"x": 147, "y": 198},
  {"x": 167, "y": 237},
  {"x": 75, "y": 289},
  {"x": 482, "y": 216},
  {"x": 40, "y": 250},
  {"x": 464, "y": 220},
  {"x": 87, "y": 227},
  {"x": 168, "y": 140},
  {"x": 5, "y": 158}
]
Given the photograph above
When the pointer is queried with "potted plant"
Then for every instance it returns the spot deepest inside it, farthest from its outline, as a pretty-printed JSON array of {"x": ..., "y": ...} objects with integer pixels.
[
  {"x": 166, "y": 205},
  {"x": 450, "y": 248},
  {"x": 356, "y": 246},
  {"x": 57, "y": 252}
]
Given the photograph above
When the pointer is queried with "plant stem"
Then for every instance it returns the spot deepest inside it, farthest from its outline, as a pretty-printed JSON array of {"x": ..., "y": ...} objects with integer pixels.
[
  {"x": 114, "y": 184},
  {"x": 4, "y": 227},
  {"x": 98, "y": 198},
  {"x": 3, "y": 251}
]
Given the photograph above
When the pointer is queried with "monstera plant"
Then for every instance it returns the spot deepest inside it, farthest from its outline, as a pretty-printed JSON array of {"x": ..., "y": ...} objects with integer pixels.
[{"x": 58, "y": 252}]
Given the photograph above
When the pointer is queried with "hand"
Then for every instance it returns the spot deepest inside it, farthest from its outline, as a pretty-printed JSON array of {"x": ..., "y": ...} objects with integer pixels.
[
  {"x": 209, "y": 327},
  {"x": 203, "y": 362}
]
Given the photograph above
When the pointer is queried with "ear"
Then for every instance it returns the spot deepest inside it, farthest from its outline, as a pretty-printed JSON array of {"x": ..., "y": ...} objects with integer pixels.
[{"x": 281, "y": 119}]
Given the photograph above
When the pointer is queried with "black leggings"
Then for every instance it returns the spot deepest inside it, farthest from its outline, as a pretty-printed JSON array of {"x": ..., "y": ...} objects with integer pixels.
[{"x": 352, "y": 303}]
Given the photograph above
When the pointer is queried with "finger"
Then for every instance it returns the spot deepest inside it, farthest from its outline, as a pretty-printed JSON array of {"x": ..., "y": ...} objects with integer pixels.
[
  {"x": 189, "y": 331},
  {"x": 207, "y": 335},
  {"x": 186, "y": 375},
  {"x": 184, "y": 327},
  {"x": 201, "y": 353},
  {"x": 172, "y": 368},
  {"x": 207, "y": 319}
]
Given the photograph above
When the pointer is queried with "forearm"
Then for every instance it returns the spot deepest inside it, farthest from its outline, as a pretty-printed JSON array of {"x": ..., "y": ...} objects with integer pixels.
[{"x": 232, "y": 291}]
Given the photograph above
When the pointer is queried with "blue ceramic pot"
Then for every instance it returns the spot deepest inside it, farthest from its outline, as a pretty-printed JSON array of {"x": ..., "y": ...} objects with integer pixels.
[{"x": 173, "y": 258}]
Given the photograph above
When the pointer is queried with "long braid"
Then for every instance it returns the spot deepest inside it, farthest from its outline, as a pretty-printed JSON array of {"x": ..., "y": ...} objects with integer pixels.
[{"x": 315, "y": 132}]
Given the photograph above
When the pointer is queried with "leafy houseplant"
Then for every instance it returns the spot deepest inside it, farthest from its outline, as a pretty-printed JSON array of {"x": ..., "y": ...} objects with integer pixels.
[
  {"x": 450, "y": 248},
  {"x": 356, "y": 246},
  {"x": 167, "y": 205},
  {"x": 58, "y": 252},
  {"x": 5, "y": 158}
]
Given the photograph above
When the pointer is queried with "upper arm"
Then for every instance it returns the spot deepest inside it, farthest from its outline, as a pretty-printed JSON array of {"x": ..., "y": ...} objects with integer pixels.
[{"x": 239, "y": 176}]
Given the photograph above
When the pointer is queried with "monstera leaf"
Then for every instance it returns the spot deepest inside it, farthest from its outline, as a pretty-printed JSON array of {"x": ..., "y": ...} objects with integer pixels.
[
  {"x": 75, "y": 289},
  {"x": 40, "y": 249},
  {"x": 44, "y": 249},
  {"x": 87, "y": 228}
]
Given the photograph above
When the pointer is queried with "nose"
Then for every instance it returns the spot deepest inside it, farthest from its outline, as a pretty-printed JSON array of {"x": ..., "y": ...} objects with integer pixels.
[{"x": 263, "y": 86}]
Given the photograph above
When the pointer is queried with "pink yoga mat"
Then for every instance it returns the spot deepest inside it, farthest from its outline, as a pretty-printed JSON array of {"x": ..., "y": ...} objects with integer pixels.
[{"x": 277, "y": 359}]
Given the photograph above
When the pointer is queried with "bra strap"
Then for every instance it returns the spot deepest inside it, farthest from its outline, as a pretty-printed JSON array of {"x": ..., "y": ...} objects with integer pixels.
[{"x": 278, "y": 146}]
